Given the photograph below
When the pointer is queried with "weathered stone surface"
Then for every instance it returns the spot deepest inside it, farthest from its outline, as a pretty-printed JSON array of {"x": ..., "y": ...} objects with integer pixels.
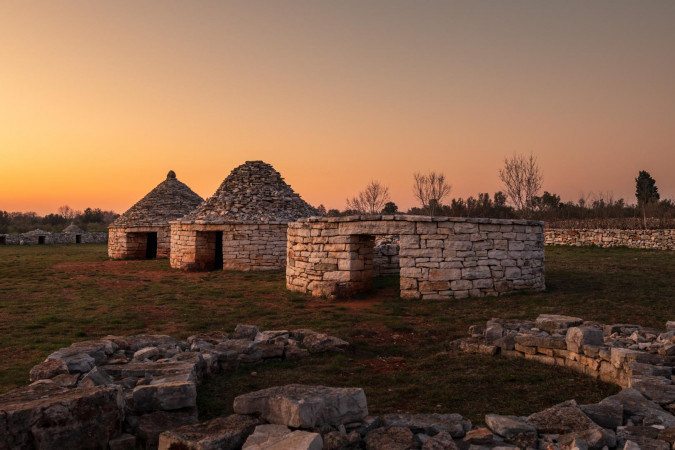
[
  {"x": 430, "y": 424},
  {"x": 48, "y": 369},
  {"x": 667, "y": 434},
  {"x": 594, "y": 438},
  {"x": 155, "y": 369},
  {"x": 139, "y": 341},
  {"x": 608, "y": 415},
  {"x": 319, "y": 343},
  {"x": 296, "y": 440},
  {"x": 507, "y": 426},
  {"x": 479, "y": 436},
  {"x": 553, "y": 322},
  {"x": 390, "y": 438},
  {"x": 302, "y": 406},
  {"x": 46, "y": 416},
  {"x": 562, "y": 418},
  {"x": 578, "y": 337},
  {"x": 635, "y": 404},
  {"x": 222, "y": 433},
  {"x": 442, "y": 441},
  {"x": 96, "y": 377},
  {"x": 263, "y": 433},
  {"x": 242, "y": 331},
  {"x": 151, "y": 425},
  {"x": 146, "y": 353},
  {"x": 165, "y": 396}
]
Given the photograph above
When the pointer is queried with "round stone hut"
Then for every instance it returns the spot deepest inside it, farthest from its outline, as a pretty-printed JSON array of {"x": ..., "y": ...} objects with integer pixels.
[
  {"x": 242, "y": 226},
  {"x": 143, "y": 232}
]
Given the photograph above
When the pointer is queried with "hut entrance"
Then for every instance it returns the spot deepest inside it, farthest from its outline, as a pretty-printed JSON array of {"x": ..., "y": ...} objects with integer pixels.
[
  {"x": 41, "y": 240},
  {"x": 78, "y": 238},
  {"x": 218, "y": 257},
  {"x": 151, "y": 246},
  {"x": 3, "y": 240}
]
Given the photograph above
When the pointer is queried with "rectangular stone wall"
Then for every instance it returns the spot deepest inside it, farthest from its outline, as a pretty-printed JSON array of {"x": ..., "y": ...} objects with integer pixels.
[
  {"x": 648, "y": 239},
  {"x": 245, "y": 246},
  {"x": 440, "y": 258},
  {"x": 131, "y": 243}
]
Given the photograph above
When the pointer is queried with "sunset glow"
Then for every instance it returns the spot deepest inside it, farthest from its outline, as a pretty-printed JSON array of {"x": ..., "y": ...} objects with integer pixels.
[{"x": 99, "y": 100}]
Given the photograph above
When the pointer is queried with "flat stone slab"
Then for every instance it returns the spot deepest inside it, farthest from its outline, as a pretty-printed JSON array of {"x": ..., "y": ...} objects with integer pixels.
[
  {"x": 296, "y": 440},
  {"x": 302, "y": 406},
  {"x": 507, "y": 426},
  {"x": 222, "y": 433},
  {"x": 552, "y": 322},
  {"x": 47, "y": 416},
  {"x": 430, "y": 424},
  {"x": 390, "y": 438},
  {"x": 165, "y": 396},
  {"x": 562, "y": 418}
]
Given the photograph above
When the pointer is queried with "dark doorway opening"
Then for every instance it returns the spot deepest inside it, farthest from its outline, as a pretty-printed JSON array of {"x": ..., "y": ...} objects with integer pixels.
[
  {"x": 218, "y": 257},
  {"x": 41, "y": 240},
  {"x": 78, "y": 238},
  {"x": 3, "y": 240},
  {"x": 151, "y": 246}
]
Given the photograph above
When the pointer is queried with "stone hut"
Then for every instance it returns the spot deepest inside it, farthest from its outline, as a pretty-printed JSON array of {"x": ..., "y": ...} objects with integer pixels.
[
  {"x": 36, "y": 237},
  {"x": 242, "y": 226},
  {"x": 74, "y": 232},
  {"x": 143, "y": 232}
]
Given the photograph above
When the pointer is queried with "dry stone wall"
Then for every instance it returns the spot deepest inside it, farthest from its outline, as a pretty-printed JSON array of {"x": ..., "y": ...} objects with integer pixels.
[
  {"x": 245, "y": 246},
  {"x": 648, "y": 239},
  {"x": 385, "y": 257},
  {"x": 131, "y": 242},
  {"x": 439, "y": 258},
  {"x": 38, "y": 237}
]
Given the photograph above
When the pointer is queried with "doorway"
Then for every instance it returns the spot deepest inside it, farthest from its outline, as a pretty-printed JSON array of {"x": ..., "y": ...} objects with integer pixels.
[
  {"x": 78, "y": 238},
  {"x": 41, "y": 240},
  {"x": 151, "y": 246},
  {"x": 3, "y": 240},
  {"x": 218, "y": 257}
]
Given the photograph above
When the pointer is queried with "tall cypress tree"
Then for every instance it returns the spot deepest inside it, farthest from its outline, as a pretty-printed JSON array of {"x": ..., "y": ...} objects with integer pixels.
[{"x": 646, "y": 192}]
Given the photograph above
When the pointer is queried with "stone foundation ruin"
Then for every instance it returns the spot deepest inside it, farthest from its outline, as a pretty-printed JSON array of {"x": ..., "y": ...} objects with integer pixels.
[
  {"x": 242, "y": 226},
  {"x": 140, "y": 392},
  {"x": 143, "y": 231},
  {"x": 439, "y": 258}
]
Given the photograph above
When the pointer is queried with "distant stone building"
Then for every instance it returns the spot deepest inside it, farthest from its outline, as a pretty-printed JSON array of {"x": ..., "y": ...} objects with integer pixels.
[
  {"x": 143, "y": 232},
  {"x": 242, "y": 226},
  {"x": 70, "y": 235}
]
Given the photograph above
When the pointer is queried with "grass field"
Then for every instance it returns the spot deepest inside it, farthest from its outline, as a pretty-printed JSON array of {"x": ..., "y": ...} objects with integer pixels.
[{"x": 51, "y": 296}]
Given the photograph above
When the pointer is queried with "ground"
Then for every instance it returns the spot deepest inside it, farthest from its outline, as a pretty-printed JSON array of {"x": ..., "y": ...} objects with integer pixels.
[{"x": 51, "y": 296}]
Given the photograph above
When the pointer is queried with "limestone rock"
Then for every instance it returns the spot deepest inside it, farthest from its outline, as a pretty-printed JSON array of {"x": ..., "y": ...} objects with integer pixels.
[
  {"x": 608, "y": 415},
  {"x": 46, "y": 416},
  {"x": 507, "y": 426},
  {"x": 151, "y": 425},
  {"x": 262, "y": 433},
  {"x": 48, "y": 369},
  {"x": 430, "y": 424},
  {"x": 562, "y": 418},
  {"x": 165, "y": 396},
  {"x": 97, "y": 377},
  {"x": 635, "y": 404},
  {"x": 319, "y": 343},
  {"x": 390, "y": 438},
  {"x": 242, "y": 331},
  {"x": 578, "y": 337},
  {"x": 553, "y": 322},
  {"x": 594, "y": 438},
  {"x": 479, "y": 436},
  {"x": 442, "y": 441},
  {"x": 222, "y": 433},
  {"x": 302, "y": 406},
  {"x": 296, "y": 440}
]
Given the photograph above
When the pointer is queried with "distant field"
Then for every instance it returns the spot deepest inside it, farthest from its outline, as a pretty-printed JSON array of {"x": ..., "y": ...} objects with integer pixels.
[{"x": 51, "y": 296}]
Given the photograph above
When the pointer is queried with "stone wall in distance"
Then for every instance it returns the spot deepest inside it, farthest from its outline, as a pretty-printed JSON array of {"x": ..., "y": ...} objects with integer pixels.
[{"x": 649, "y": 239}]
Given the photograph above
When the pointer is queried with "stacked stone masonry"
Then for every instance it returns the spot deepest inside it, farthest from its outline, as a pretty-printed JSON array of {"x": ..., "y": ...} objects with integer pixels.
[
  {"x": 38, "y": 237},
  {"x": 439, "y": 258},
  {"x": 245, "y": 246},
  {"x": 385, "y": 258},
  {"x": 648, "y": 239},
  {"x": 132, "y": 242}
]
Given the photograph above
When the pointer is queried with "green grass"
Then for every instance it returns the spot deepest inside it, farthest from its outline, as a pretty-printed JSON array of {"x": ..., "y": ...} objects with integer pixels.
[{"x": 51, "y": 296}]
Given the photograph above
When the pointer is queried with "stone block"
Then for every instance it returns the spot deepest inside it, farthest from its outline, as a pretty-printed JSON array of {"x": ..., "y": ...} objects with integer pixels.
[
  {"x": 577, "y": 337},
  {"x": 165, "y": 396},
  {"x": 302, "y": 406},
  {"x": 222, "y": 433}
]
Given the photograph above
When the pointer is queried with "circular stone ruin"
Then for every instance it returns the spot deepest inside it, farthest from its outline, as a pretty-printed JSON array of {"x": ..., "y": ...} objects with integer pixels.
[{"x": 140, "y": 391}]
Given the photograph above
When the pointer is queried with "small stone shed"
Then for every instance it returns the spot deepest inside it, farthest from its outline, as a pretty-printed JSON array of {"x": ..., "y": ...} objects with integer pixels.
[
  {"x": 143, "y": 232},
  {"x": 439, "y": 258},
  {"x": 242, "y": 226}
]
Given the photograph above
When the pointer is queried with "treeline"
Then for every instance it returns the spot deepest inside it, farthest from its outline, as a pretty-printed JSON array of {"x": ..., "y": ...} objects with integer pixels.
[
  {"x": 591, "y": 211},
  {"x": 91, "y": 219}
]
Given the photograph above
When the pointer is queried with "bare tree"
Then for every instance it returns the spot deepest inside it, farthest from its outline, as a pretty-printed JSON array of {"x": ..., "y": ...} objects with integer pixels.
[
  {"x": 66, "y": 212},
  {"x": 371, "y": 200},
  {"x": 430, "y": 189},
  {"x": 522, "y": 179}
]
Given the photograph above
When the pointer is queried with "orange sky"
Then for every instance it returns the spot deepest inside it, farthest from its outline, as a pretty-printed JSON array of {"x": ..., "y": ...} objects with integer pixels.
[{"x": 99, "y": 99}]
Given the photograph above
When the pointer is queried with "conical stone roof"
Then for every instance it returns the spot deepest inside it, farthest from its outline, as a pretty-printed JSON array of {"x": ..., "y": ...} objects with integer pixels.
[
  {"x": 72, "y": 228},
  {"x": 253, "y": 193},
  {"x": 170, "y": 200}
]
